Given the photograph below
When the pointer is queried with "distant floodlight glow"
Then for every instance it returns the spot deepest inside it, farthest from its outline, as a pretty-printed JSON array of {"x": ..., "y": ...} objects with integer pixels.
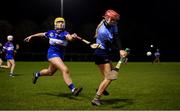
[{"x": 148, "y": 53}]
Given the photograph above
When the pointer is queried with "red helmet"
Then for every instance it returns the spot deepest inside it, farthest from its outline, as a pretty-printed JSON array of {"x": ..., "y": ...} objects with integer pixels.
[{"x": 112, "y": 15}]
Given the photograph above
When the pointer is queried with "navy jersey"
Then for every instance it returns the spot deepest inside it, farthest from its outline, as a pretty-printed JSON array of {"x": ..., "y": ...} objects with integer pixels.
[
  {"x": 57, "y": 43},
  {"x": 157, "y": 54},
  {"x": 9, "y": 50}
]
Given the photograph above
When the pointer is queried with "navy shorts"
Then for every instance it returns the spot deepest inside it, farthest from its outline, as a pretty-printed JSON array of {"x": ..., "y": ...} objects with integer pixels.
[
  {"x": 101, "y": 56},
  {"x": 52, "y": 54},
  {"x": 9, "y": 56}
]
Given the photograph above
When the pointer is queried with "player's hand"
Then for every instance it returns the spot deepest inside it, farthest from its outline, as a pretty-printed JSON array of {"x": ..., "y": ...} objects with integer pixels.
[
  {"x": 17, "y": 46},
  {"x": 71, "y": 37},
  {"x": 74, "y": 36},
  {"x": 27, "y": 39},
  {"x": 123, "y": 53},
  {"x": 95, "y": 46}
]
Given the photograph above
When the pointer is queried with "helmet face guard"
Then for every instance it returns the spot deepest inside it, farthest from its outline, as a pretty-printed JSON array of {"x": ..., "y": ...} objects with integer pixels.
[{"x": 59, "y": 23}]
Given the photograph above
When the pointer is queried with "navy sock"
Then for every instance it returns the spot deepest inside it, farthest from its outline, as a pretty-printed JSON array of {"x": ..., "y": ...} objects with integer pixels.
[
  {"x": 72, "y": 87},
  {"x": 38, "y": 74}
]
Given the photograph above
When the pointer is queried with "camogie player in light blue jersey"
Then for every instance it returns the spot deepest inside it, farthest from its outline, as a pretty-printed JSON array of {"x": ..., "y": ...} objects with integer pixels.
[
  {"x": 9, "y": 50},
  {"x": 58, "y": 40},
  {"x": 106, "y": 35}
]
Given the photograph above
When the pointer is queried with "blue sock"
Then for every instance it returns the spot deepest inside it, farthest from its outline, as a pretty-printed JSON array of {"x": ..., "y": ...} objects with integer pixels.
[
  {"x": 72, "y": 87},
  {"x": 37, "y": 74}
]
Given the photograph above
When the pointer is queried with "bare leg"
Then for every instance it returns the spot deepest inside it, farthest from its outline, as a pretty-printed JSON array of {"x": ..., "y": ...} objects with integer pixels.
[
  {"x": 49, "y": 71},
  {"x": 12, "y": 62},
  {"x": 11, "y": 65},
  {"x": 58, "y": 63},
  {"x": 44, "y": 72},
  {"x": 6, "y": 66},
  {"x": 105, "y": 69},
  {"x": 158, "y": 60},
  {"x": 1, "y": 61}
]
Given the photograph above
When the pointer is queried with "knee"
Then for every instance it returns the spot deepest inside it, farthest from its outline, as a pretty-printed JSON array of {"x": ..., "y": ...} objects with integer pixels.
[
  {"x": 65, "y": 71},
  {"x": 50, "y": 73},
  {"x": 13, "y": 65},
  {"x": 9, "y": 66}
]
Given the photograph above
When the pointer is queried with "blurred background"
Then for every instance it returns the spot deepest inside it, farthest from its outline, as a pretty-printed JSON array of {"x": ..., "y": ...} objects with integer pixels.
[{"x": 143, "y": 23}]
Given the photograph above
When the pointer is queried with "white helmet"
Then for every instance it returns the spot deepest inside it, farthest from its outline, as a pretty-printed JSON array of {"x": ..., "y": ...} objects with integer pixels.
[{"x": 10, "y": 37}]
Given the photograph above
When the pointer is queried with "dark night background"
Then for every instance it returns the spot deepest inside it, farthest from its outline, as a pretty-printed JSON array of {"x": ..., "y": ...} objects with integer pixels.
[{"x": 142, "y": 23}]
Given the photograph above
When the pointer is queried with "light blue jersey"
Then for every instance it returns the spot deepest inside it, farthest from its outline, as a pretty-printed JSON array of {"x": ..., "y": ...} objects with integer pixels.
[
  {"x": 105, "y": 33},
  {"x": 58, "y": 42},
  {"x": 9, "y": 50},
  {"x": 104, "y": 36}
]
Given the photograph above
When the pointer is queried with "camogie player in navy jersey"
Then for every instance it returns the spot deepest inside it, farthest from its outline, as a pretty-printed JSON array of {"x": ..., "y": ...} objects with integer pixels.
[
  {"x": 107, "y": 36},
  {"x": 157, "y": 56},
  {"x": 58, "y": 40},
  {"x": 9, "y": 50}
]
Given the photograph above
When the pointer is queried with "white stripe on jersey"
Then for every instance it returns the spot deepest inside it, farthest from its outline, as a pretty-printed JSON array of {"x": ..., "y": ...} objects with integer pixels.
[
  {"x": 53, "y": 41},
  {"x": 8, "y": 48}
]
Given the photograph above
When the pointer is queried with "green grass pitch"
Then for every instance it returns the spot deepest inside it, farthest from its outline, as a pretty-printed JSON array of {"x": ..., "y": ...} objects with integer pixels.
[{"x": 140, "y": 86}]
